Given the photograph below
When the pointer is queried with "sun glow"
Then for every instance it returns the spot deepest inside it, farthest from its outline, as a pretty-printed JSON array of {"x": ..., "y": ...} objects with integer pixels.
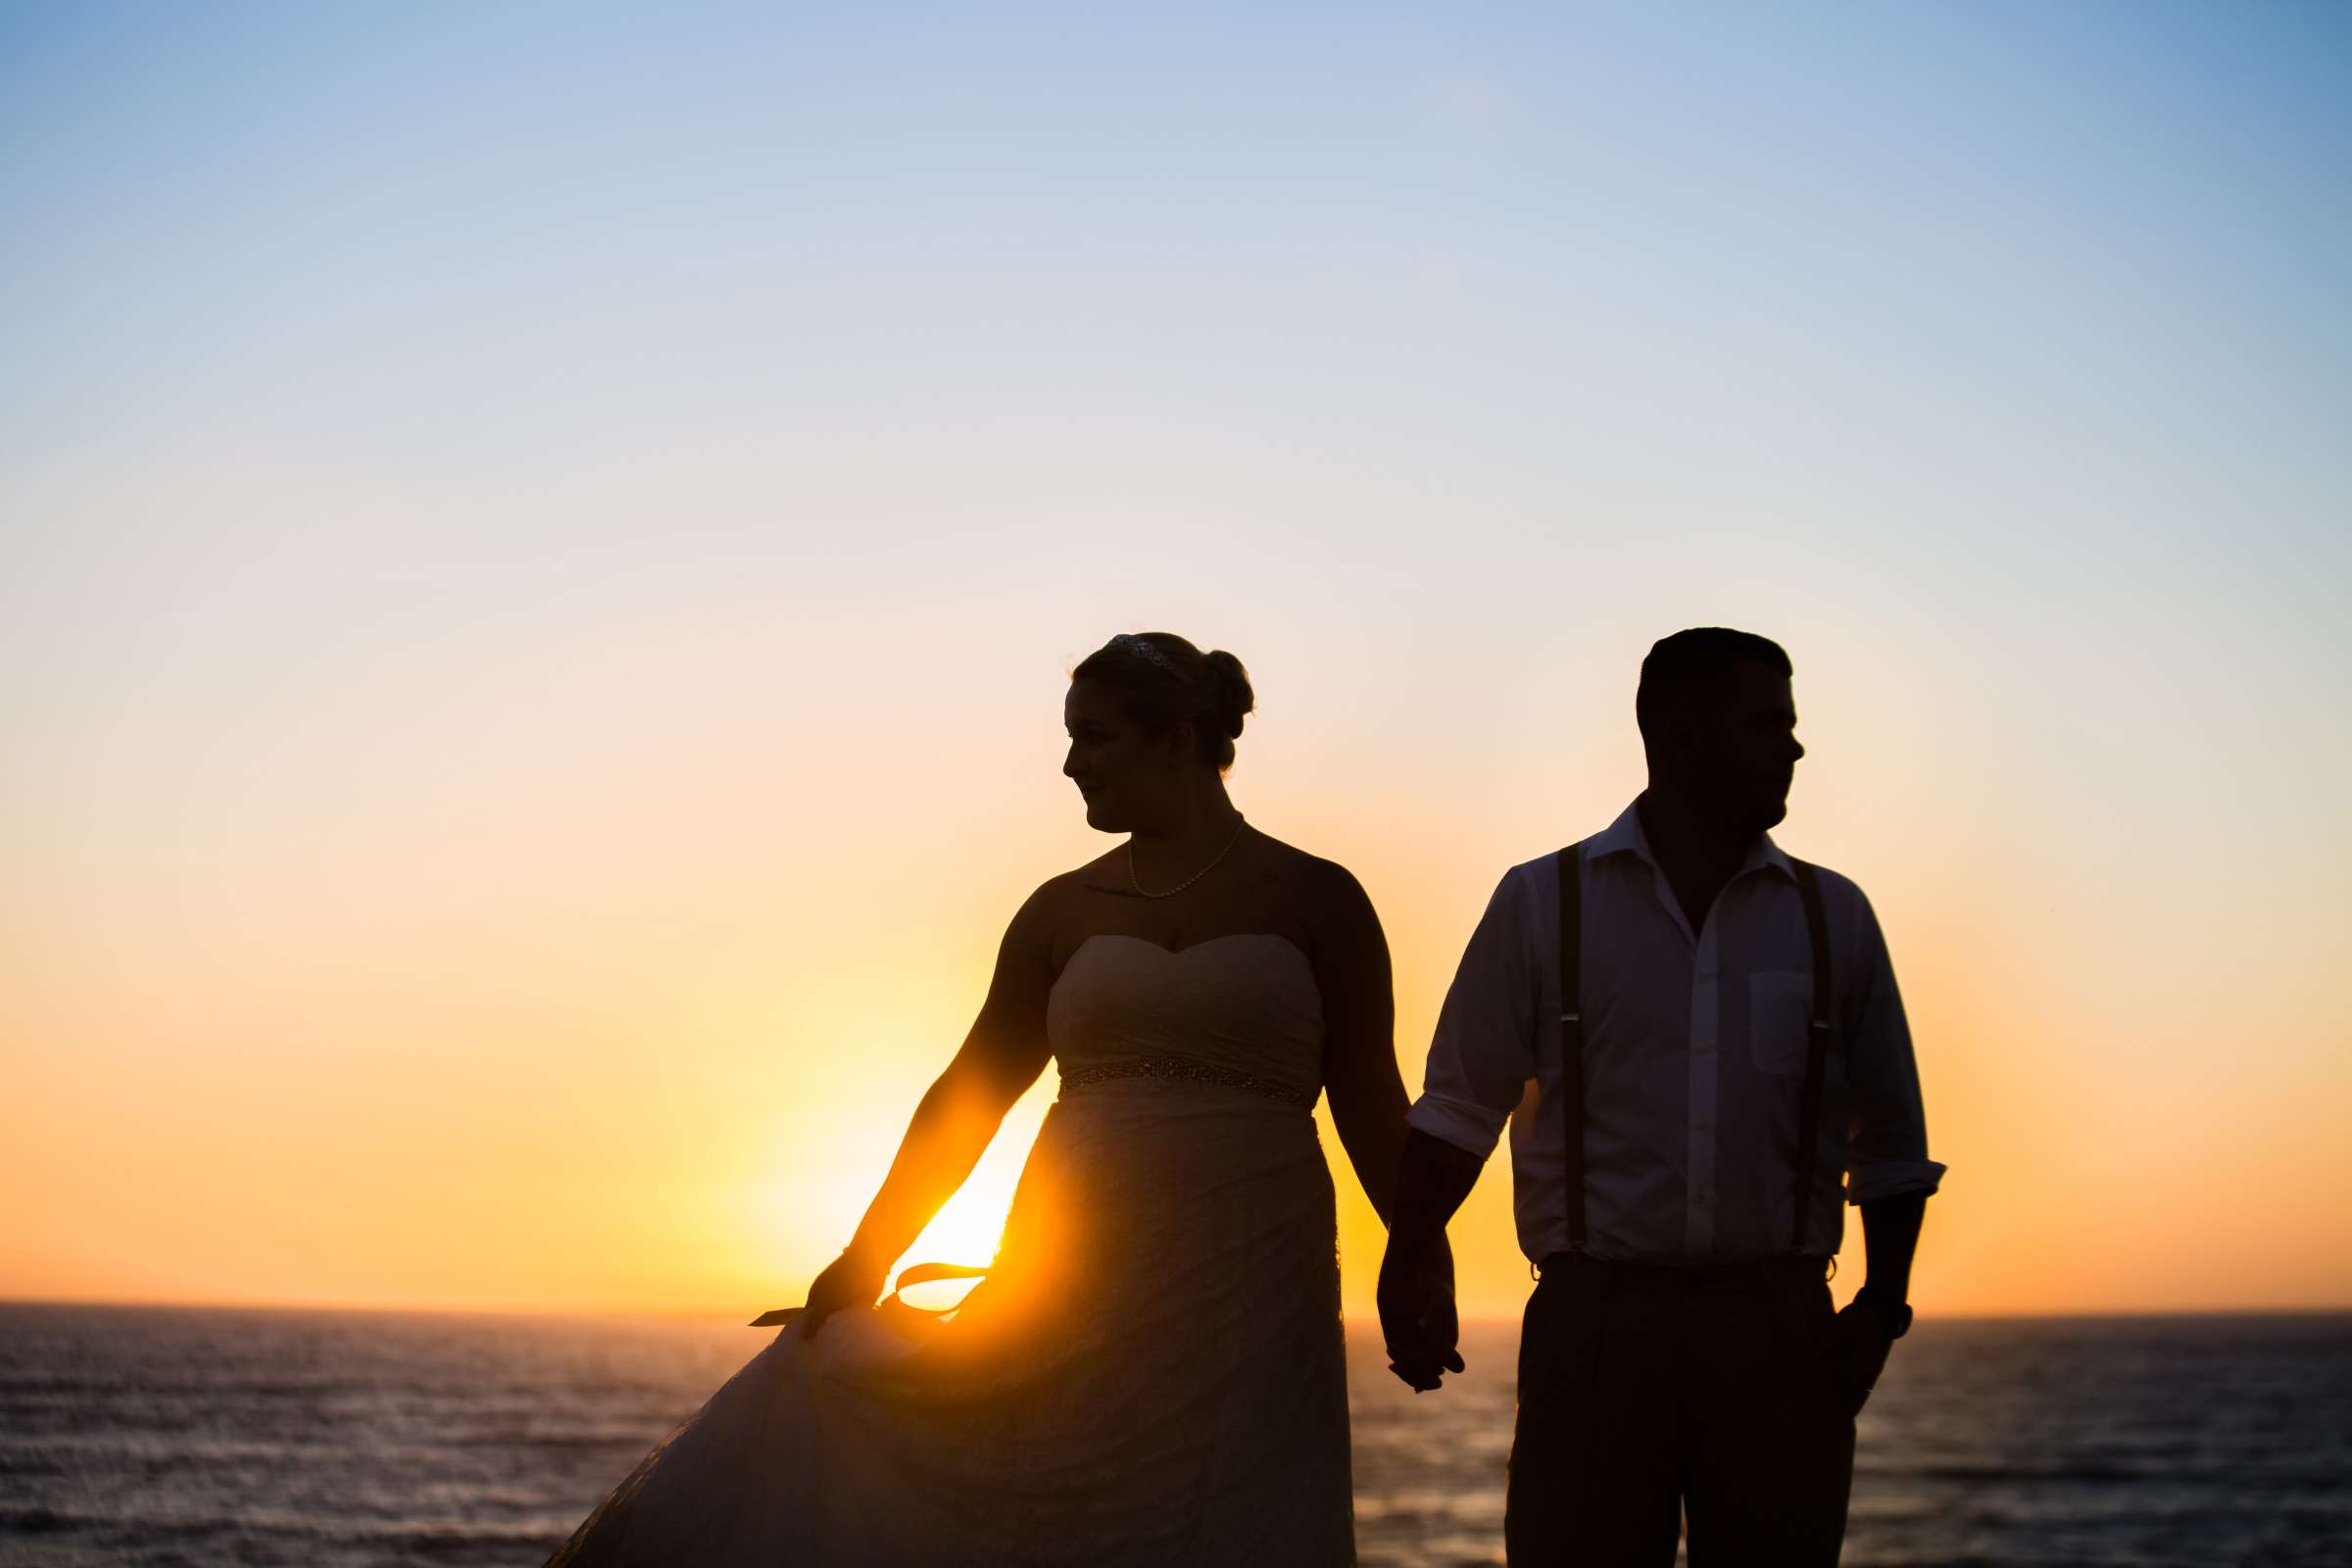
[{"x": 967, "y": 1227}]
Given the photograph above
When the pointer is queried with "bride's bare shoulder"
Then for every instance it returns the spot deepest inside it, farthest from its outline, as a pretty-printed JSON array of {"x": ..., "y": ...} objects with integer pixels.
[
  {"x": 1310, "y": 875},
  {"x": 1103, "y": 871},
  {"x": 1058, "y": 897}
]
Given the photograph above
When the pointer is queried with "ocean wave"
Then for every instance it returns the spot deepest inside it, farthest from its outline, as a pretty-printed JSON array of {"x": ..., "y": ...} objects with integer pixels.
[
  {"x": 401, "y": 1534},
  {"x": 37, "y": 1521}
]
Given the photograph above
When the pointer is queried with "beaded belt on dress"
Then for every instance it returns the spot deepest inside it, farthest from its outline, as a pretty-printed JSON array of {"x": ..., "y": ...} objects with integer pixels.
[{"x": 1185, "y": 1070}]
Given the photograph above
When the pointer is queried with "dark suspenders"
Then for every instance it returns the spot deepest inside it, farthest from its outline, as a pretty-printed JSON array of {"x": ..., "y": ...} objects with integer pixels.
[
  {"x": 1820, "y": 1037},
  {"x": 1572, "y": 1035}
]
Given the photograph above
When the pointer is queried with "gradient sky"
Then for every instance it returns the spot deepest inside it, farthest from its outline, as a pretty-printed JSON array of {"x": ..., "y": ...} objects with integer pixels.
[{"x": 540, "y": 547}]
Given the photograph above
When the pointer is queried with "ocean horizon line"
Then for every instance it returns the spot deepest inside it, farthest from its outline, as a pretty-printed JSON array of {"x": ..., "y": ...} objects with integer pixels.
[{"x": 713, "y": 1315}]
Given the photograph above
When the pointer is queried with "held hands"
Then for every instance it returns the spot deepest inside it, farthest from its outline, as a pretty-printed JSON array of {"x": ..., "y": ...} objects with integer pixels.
[
  {"x": 1416, "y": 1308},
  {"x": 848, "y": 1281}
]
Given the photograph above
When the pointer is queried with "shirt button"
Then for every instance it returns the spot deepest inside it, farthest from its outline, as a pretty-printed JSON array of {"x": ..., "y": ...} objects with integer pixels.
[
  {"x": 1702, "y": 1126},
  {"x": 1701, "y": 1048},
  {"x": 1700, "y": 1200}
]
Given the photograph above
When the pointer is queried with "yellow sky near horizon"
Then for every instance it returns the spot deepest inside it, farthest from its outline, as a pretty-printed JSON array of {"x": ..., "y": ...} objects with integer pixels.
[{"x": 608, "y": 1022}]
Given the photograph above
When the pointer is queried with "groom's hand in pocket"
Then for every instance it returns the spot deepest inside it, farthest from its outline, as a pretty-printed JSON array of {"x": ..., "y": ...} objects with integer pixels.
[{"x": 1416, "y": 1308}]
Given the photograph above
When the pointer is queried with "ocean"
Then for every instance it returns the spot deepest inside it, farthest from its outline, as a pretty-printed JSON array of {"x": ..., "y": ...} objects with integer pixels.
[{"x": 168, "y": 1437}]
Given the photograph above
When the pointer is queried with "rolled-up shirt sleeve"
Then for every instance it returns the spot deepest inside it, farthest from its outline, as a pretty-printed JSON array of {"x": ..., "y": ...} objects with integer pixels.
[
  {"x": 1483, "y": 1051},
  {"x": 1887, "y": 1135}
]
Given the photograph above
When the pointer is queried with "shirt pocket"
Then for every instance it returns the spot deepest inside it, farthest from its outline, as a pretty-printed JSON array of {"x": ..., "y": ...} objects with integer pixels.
[{"x": 1780, "y": 1019}]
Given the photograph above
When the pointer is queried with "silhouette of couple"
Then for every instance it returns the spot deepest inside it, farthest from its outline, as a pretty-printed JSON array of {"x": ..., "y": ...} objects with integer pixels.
[{"x": 1695, "y": 1040}]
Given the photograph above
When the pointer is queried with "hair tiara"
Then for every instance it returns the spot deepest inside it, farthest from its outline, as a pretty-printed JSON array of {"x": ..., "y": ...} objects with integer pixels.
[{"x": 1127, "y": 642}]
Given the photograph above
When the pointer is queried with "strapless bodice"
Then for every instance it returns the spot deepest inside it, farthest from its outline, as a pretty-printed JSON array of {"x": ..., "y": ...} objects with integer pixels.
[{"x": 1242, "y": 1011}]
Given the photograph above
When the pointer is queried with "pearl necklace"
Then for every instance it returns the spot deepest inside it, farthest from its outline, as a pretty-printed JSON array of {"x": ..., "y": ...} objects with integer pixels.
[{"x": 1238, "y": 825}]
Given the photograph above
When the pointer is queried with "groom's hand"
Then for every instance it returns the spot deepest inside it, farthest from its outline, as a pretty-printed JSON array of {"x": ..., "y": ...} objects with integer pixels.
[
  {"x": 1416, "y": 1308},
  {"x": 1858, "y": 1346}
]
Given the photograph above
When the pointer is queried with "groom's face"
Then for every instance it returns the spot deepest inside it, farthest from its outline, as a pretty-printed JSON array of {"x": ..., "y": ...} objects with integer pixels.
[{"x": 1751, "y": 748}]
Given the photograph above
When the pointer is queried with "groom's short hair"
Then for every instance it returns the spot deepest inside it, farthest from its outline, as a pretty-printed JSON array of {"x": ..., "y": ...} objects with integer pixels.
[{"x": 1694, "y": 665}]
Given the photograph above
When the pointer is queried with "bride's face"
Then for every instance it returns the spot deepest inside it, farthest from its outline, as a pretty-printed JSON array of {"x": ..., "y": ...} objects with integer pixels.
[{"x": 1128, "y": 778}]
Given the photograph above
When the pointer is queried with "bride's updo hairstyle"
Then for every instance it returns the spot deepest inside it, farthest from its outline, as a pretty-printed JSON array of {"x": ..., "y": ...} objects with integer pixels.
[{"x": 1164, "y": 681}]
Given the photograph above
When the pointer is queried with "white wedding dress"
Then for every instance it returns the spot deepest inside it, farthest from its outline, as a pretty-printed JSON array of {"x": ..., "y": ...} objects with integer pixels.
[{"x": 1151, "y": 1374}]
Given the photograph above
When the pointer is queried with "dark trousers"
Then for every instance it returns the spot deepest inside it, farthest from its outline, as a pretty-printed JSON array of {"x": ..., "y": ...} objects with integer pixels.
[{"x": 1650, "y": 1394}]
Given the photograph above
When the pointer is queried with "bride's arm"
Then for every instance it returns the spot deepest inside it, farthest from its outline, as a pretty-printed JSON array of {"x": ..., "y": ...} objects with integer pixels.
[
  {"x": 1359, "y": 1026},
  {"x": 999, "y": 1060}
]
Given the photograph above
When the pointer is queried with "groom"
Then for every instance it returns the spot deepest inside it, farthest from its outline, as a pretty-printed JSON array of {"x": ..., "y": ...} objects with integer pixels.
[{"x": 1728, "y": 1042}]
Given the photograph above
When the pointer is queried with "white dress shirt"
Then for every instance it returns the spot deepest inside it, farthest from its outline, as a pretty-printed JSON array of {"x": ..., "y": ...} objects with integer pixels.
[{"x": 1694, "y": 1054}]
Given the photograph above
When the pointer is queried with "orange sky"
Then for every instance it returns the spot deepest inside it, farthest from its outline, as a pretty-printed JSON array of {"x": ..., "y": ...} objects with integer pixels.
[{"x": 623, "y": 1003}]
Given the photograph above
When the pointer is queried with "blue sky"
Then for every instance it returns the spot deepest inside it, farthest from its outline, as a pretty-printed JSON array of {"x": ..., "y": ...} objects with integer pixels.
[{"x": 509, "y": 425}]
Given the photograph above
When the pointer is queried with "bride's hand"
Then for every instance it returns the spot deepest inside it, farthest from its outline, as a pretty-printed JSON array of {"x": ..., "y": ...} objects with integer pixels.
[
  {"x": 1416, "y": 1308},
  {"x": 848, "y": 1281}
]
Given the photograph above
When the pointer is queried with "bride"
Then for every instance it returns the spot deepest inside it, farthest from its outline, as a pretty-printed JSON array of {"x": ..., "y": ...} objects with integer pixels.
[{"x": 1152, "y": 1372}]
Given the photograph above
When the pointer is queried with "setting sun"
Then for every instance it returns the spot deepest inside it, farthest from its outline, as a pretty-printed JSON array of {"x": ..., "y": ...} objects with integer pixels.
[{"x": 526, "y": 732}]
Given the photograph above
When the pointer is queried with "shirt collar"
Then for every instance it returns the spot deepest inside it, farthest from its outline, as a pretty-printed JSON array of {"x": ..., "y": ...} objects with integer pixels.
[{"x": 1625, "y": 836}]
